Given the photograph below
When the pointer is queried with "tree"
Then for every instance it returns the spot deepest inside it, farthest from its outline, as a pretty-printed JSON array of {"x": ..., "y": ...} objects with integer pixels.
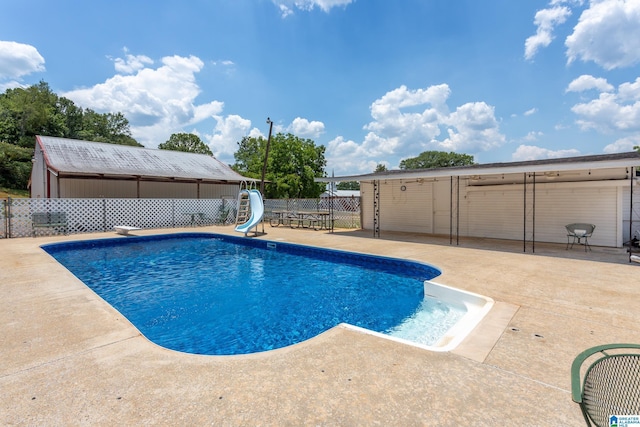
[
  {"x": 436, "y": 159},
  {"x": 250, "y": 157},
  {"x": 380, "y": 167},
  {"x": 37, "y": 110},
  {"x": 29, "y": 112},
  {"x": 15, "y": 165},
  {"x": 292, "y": 165},
  {"x": 348, "y": 185},
  {"x": 110, "y": 128},
  {"x": 187, "y": 142}
]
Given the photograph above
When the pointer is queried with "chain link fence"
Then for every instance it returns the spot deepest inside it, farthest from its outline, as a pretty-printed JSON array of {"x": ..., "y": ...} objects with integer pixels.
[
  {"x": 75, "y": 216},
  {"x": 346, "y": 210}
]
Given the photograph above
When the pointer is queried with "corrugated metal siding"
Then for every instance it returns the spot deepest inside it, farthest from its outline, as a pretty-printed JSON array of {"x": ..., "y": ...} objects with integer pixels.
[
  {"x": 38, "y": 185},
  {"x": 218, "y": 191},
  {"x": 96, "y": 188},
  {"x": 168, "y": 190},
  {"x": 52, "y": 185}
]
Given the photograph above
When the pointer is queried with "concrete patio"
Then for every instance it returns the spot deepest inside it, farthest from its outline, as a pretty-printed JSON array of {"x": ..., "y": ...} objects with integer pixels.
[{"x": 68, "y": 358}]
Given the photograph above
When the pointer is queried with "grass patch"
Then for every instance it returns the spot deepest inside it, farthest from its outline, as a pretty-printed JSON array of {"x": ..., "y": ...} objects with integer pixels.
[{"x": 13, "y": 193}]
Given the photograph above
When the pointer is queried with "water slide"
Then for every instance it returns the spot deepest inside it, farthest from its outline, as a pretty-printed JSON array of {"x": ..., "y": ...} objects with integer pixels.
[{"x": 257, "y": 211}]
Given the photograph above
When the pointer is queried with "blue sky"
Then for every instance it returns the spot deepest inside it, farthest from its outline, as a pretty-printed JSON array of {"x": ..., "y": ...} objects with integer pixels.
[{"x": 375, "y": 81}]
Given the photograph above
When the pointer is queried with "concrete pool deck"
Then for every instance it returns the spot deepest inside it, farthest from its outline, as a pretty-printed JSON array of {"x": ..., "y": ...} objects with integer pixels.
[{"x": 68, "y": 358}]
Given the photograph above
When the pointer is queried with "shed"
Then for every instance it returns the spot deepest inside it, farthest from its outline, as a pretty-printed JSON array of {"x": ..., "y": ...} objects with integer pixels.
[
  {"x": 69, "y": 168},
  {"x": 530, "y": 201}
]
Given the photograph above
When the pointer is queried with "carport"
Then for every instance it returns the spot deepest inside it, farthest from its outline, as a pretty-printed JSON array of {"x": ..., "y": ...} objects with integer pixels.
[{"x": 529, "y": 201}]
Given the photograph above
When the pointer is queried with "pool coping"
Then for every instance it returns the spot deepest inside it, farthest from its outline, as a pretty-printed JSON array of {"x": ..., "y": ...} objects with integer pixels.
[{"x": 476, "y": 306}]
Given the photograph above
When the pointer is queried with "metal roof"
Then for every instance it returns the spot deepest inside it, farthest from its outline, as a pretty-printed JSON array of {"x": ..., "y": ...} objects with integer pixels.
[
  {"x": 603, "y": 161},
  {"x": 76, "y": 157}
]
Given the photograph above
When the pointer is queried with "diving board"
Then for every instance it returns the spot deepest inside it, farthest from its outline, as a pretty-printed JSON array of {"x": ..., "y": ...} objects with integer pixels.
[{"x": 125, "y": 229}]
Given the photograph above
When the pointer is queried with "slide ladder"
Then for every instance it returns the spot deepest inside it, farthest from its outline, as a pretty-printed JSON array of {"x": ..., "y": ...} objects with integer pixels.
[
  {"x": 250, "y": 211},
  {"x": 244, "y": 208}
]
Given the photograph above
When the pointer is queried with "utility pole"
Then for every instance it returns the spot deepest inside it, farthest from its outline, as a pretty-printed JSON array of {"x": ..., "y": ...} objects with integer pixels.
[{"x": 266, "y": 156}]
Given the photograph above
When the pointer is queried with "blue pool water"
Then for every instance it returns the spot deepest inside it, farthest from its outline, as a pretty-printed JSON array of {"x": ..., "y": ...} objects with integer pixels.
[{"x": 219, "y": 295}]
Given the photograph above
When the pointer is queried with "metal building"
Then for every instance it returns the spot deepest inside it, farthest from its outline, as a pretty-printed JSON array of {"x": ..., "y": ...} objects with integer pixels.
[{"x": 69, "y": 168}]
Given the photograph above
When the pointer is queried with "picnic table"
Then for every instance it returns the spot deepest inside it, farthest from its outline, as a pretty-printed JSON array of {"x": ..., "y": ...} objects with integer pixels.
[
  {"x": 51, "y": 220},
  {"x": 195, "y": 218},
  {"x": 317, "y": 220}
]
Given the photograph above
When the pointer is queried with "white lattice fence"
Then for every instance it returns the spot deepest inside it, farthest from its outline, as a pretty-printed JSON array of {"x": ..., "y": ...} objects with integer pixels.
[
  {"x": 83, "y": 216},
  {"x": 94, "y": 215},
  {"x": 143, "y": 213},
  {"x": 204, "y": 211}
]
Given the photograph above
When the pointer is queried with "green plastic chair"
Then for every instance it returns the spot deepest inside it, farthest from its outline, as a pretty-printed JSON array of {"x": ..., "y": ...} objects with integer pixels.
[{"x": 605, "y": 381}]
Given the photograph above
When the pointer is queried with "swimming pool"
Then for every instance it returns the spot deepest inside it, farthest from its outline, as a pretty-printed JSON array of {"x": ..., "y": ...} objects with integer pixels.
[{"x": 215, "y": 294}]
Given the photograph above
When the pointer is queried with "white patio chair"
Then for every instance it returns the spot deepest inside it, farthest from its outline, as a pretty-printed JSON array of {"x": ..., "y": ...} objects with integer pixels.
[{"x": 577, "y": 232}]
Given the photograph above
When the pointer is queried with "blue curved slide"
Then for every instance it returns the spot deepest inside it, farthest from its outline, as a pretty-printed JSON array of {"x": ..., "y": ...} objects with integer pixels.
[{"x": 257, "y": 211}]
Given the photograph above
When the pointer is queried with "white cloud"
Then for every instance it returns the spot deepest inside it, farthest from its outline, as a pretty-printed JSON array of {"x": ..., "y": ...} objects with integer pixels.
[
  {"x": 545, "y": 20},
  {"x": 18, "y": 60},
  {"x": 531, "y": 112},
  {"x": 532, "y": 152},
  {"x": 205, "y": 111},
  {"x": 608, "y": 33},
  {"x": 571, "y": 2},
  {"x": 346, "y": 156},
  {"x": 391, "y": 120},
  {"x": 284, "y": 10},
  {"x": 533, "y": 136},
  {"x": 130, "y": 63},
  {"x": 473, "y": 127},
  {"x": 629, "y": 91},
  {"x": 287, "y": 6},
  {"x": 586, "y": 82},
  {"x": 375, "y": 145},
  {"x": 408, "y": 122},
  {"x": 306, "y": 129},
  {"x": 156, "y": 101},
  {"x": 228, "y": 131},
  {"x": 612, "y": 111},
  {"x": 224, "y": 63},
  {"x": 225, "y": 66},
  {"x": 623, "y": 145}
]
